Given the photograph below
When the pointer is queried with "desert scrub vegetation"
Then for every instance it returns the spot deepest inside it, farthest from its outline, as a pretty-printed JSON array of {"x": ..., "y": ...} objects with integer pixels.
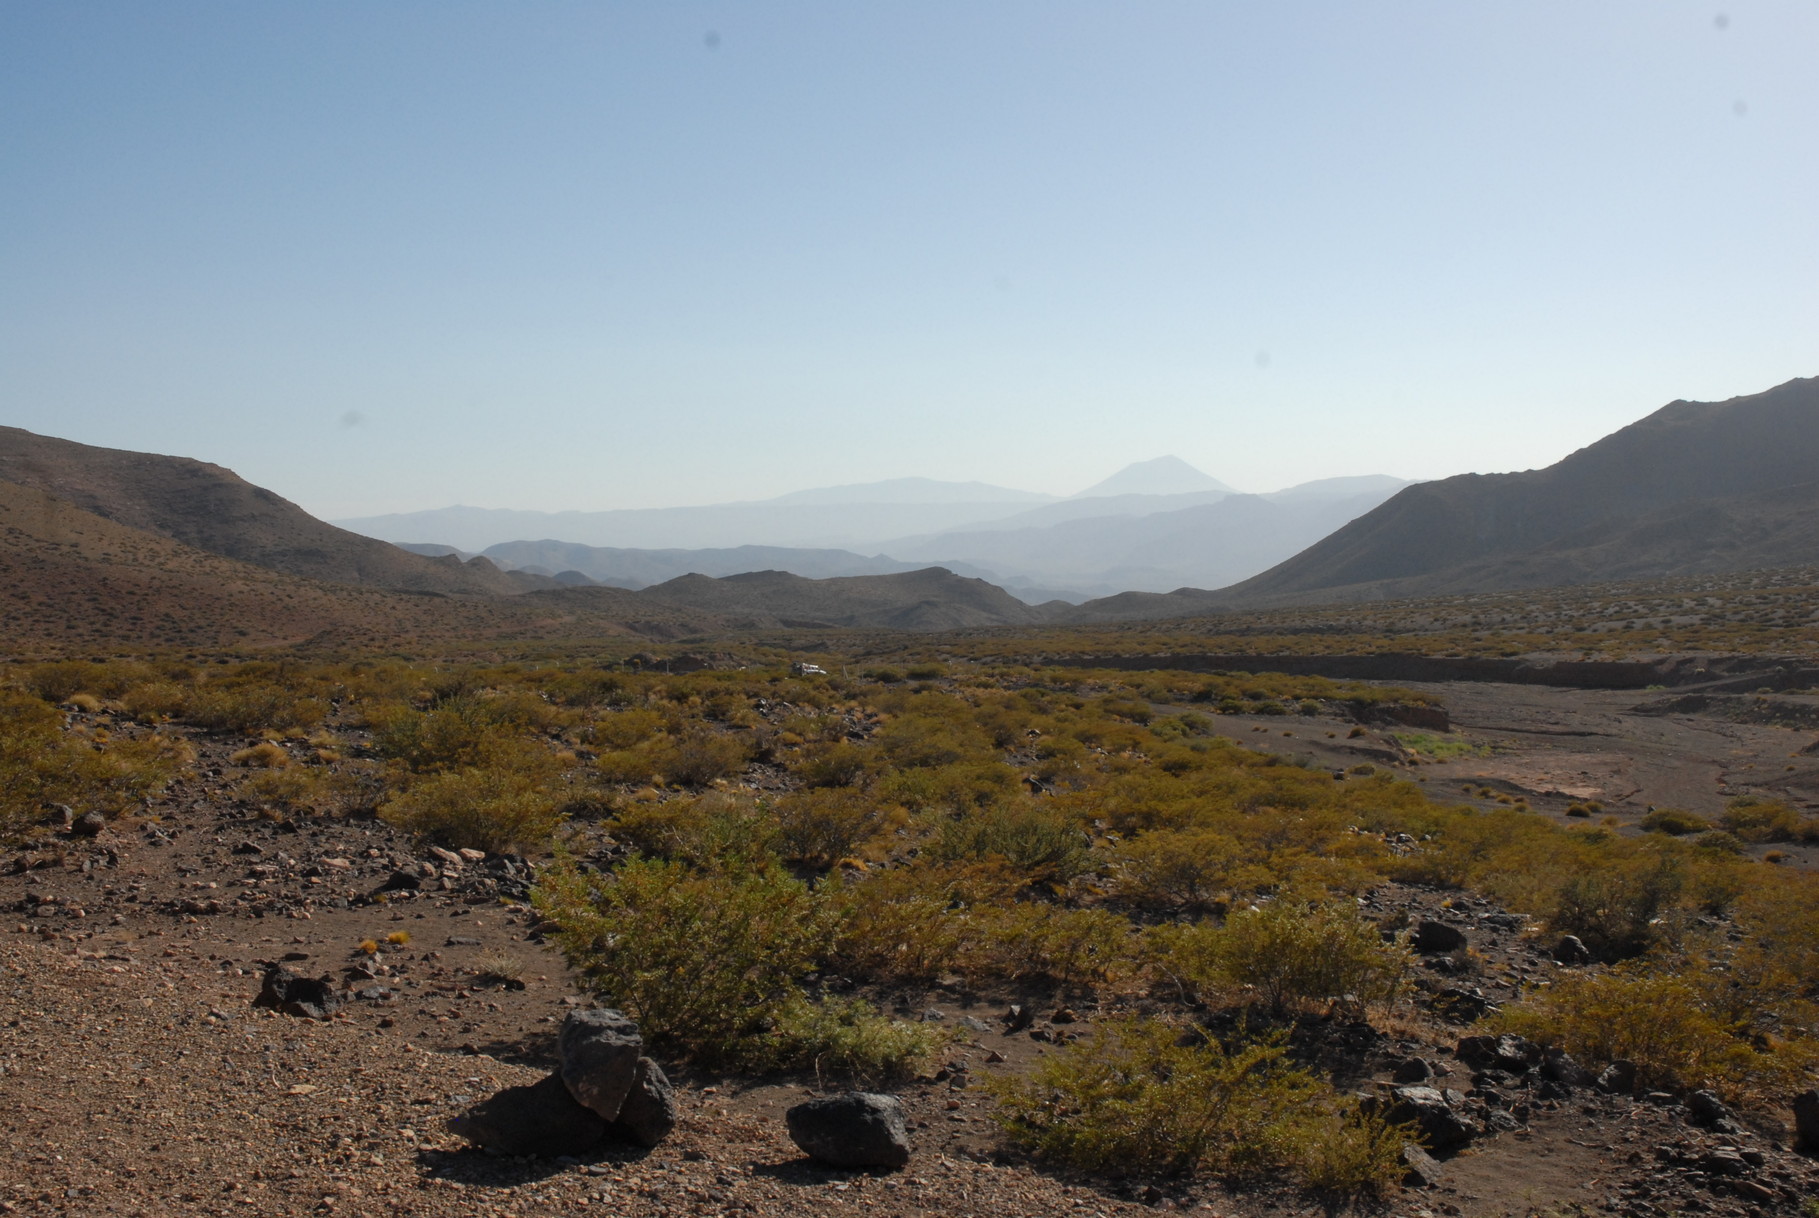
[
  {"x": 1143, "y": 1096},
  {"x": 765, "y": 862},
  {"x": 711, "y": 963},
  {"x": 44, "y": 762}
]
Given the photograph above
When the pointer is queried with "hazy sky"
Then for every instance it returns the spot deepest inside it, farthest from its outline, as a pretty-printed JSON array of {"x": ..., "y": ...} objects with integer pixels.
[{"x": 384, "y": 256}]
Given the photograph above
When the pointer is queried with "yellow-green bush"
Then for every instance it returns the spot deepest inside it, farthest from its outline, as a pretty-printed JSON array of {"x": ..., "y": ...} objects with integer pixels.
[
  {"x": 712, "y": 831},
  {"x": 704, "y": 961},
  {"x": 1673, "y": 1024},
  {"x": 41, "y": 764},
  {"x": 821, "y": 827},
  {"x": 492, "y": 810},
  {"x": 1285, "y": 955},
  {"x": 1176, "y": 868},
  {"x": 1043, "y": 844},
  {"x": 1139, "y": 1097}
]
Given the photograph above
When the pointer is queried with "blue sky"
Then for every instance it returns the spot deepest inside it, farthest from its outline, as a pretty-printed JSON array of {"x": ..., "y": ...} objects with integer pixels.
[{"x": 544, "y": 255}]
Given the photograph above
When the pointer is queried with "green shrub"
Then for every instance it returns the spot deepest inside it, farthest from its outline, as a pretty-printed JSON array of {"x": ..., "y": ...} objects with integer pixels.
[
  {"x": 1285, "y": 955},
  {"x": 1043, "y": 845},
  {"x": 40, "y": 765},
  {"x": 1140, "y": 1098},
  {"x": 697, "y": 758},
  {"x": 1033, "y": 939},
  {"x": 850, "y": 1039},
  {"x": 821, "y": 827},
  {"x": 707, "y": 963},
  {"x": 711, "y": 831},
  {"x": 1674, "y": 821},
  {"x": 1674, "y": 1026},
  {"x": 1176, "y": 868},
  {"x": 1755, "y": 819},
  {"x": 1617, "y": 910},
  {"x": 492, "y": 810},
  {"x": 834, "y": 765}
]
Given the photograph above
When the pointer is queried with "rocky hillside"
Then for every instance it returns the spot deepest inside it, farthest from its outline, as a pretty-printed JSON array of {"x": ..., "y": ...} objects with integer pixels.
[
  {"x": 215, "y": 510},
  {"x": 1695, "y": 487}
]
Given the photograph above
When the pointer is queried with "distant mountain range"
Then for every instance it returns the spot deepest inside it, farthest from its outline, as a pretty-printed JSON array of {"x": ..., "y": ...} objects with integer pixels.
[
  {"x": 104, "y": 547},
  {"x": 1154, "y": 525}
]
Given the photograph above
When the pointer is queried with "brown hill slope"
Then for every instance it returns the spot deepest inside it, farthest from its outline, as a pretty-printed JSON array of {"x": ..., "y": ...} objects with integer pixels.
[
  {"x": 1696, "y": 486},
  {"x": 214, "y": 509},
  {"x": 930, "y": 599},
  {"x": 71, "y": 580}
]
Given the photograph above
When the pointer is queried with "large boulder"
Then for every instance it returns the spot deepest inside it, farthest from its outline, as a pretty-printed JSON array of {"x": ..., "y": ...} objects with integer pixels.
[
  {"x": 857, "y": 1129},
  {"x": 304, "y": 997},
  {"x": 542, "y": 1119},
  {"x": 600, "y": 1050},
  {"x": 1618, "y": 1078}
]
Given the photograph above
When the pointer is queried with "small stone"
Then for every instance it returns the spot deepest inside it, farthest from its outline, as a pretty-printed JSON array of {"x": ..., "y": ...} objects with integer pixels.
[
  {"x": 447, "y": 856},
  {"x": 1420, "y": 1169},
  {"x": 856, "y": 1129},
  {"x": 1510, "y": 1054},
  {"x": 472, "y": 855},
  {"x": 1412, "y": 1070}
]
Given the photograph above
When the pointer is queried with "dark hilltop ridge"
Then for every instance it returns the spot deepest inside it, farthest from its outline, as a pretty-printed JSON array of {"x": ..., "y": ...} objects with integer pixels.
[{"x": 1695, "y": 488}]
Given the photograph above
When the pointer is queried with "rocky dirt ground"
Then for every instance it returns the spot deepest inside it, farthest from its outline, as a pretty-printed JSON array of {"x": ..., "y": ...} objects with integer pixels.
[
  {"x": 1629, "y": 750},
  {"x": 136, "y": 1076}
]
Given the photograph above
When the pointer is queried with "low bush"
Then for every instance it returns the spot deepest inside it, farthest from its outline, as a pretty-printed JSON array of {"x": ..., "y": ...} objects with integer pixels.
[
  {"x": 820, "y": 827},
  {"x": 709, "y": 964},
  {"x": 1285, "y": 955},
  {"x": 1140, "y": 1098},
  {"x": 715, "y": 831},
  {"x": 1674, "y": 822},
  {"x": 1176, "y": 868},
  {"x": 493, "y": 810},
  {"x": 1042, "y": 845},
  {"x": 1673, "y": 1025}
]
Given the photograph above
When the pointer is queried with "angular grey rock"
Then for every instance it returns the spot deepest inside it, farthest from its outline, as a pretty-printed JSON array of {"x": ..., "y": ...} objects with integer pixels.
[
  {"x": 1618, "y": 1078},
  {"x": 1572, "y": 950},
  {"x": 1705, "y": 1108},
  {"x": 857, "y": 1129},
  {"x": 542, "y": 1119},
  {"x": 304, "y": 997},
  {"x": 89, "y": 824},
  {"x": 599, "y": 1051},
  {"x": 1433, "y": 938},
  {"x": 649, "y": 1111},
  {"x": 1421, "y": 1170},
  {"x": 1511, "y": 1054},
  {"x": 1441, "y": 1128},
  {"x": 1806, "y": 1122}
]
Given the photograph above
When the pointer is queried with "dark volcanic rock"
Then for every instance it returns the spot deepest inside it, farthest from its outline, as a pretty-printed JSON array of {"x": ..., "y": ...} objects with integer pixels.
[
  {"x": 1433, "y": 938},
  {"x": 541, "y": 1119},
  {"x": 1572, "y": 950},
  {"x": 600, "y": 1050},
  {"x": 1510, "y": 1054},
  {"x": 1806, "y": 1121},
  {"x": 1442, "y": 1128},
  {"x": 857, "y": 1129},
  {"x": 89, "y": 824},
  {"x": 304, "y": 997},
  {"x": 1618, "y": 1078},
  {"x": 649, "y": 1111},
  {"x": 1422, "y": 1170}
]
